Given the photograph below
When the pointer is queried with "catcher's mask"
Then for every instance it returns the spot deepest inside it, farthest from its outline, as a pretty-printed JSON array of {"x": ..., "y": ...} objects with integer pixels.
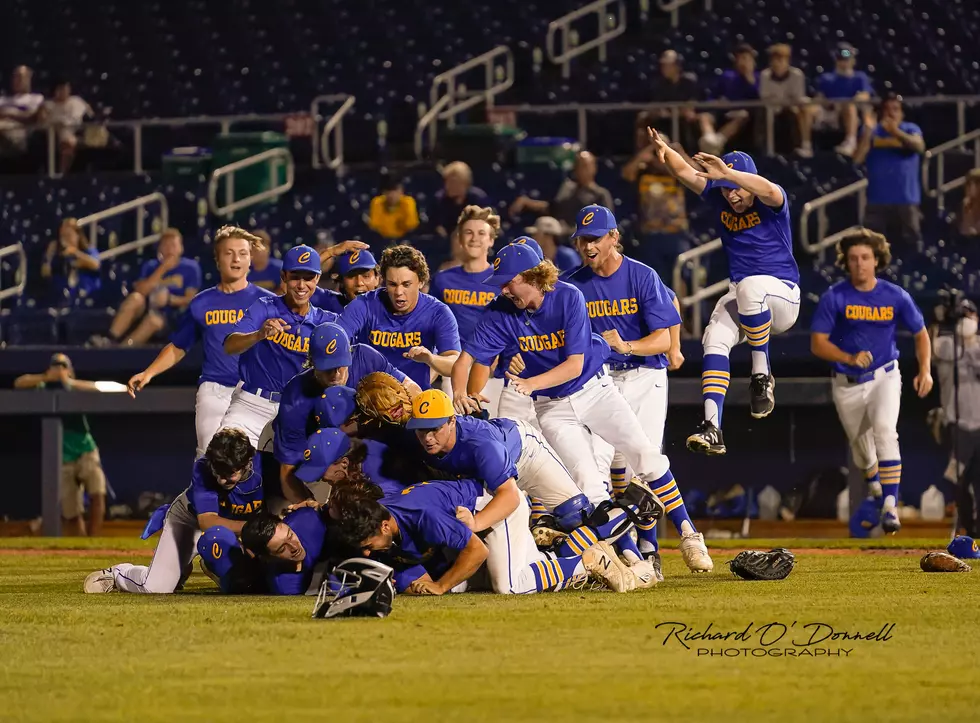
[{"x": 357, "y": 587}]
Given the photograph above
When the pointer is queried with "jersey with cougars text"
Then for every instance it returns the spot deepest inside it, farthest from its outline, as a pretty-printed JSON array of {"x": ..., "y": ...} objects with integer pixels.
[{"x": 465, "y": 294}]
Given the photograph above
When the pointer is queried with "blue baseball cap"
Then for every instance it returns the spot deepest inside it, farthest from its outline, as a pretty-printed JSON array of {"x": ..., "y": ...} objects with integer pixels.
[
  {"x": 737, "y": 161},
  {"x": 355, "y": 261},
  {"x": 528, "y": 241},
  {"x": 330, "y": 347},
  {"x": 594, "y": 221},
  {"x": 511, "y": 260},
  {"x": 335, "y": 406},
  {"x": 301, "y": 258},
  {"x": 964, "y": 548},
  {"x": 323, "y": 448}
]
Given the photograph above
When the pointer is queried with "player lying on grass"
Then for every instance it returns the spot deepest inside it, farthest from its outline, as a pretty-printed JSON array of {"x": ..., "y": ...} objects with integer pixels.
[
  {"x": 432, "y": 518},
  {"x": 225, "y": 490}
]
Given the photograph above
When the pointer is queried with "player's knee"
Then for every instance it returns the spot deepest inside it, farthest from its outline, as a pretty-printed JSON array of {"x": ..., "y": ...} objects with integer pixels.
[
  {"x": 887, "y": 445},
  {"x": 134, "y": 301},
  {"x": 573, "y": 512},
  {"x": 155, "y": 321},
  {"x": 718, "y": 339}
]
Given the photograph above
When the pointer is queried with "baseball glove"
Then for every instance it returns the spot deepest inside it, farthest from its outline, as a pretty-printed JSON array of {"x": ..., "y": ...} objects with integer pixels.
[
  {"x": 756, "y": 565},
  {"x": 942, "y": 562},
  {"x": 382, "y": 398}
]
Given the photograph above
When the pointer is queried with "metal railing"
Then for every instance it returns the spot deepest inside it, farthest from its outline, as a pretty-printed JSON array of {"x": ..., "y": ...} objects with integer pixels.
[
  {"x": 819, "y": 205},
  {"x": 334, "y": 126},
  {"x": 448, "y": 97},
  {"x": 939, "y": 154},
  {"x": 673, "y": 7},
  {"x": 691, "y": 259},
  {"x": 139, "y": 205},
  {"x": 18, "y": 288},
  {"x": 606, "y": 31},
  {"x": 274, "y": 157}
]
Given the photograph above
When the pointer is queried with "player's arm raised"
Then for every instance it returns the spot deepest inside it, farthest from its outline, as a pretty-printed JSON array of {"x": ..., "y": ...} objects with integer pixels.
[
  {"x": 716, "y": 170},
  {"x": 678, "y": 167}
]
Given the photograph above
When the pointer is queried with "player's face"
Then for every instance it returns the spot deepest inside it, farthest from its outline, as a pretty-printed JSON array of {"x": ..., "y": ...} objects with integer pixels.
[
  {"x": 337, "y": 471},
  {"x": 521, "y": 293},
  {"x": 475, "y": 240},
  {"x": 380, "y": 540},
  {"x": 332, "y": 377},
  {"x": 285, "y": 545},
  {"x": 860, "y": 264},
  {"x": 360, "y": 282},
  {"x": 597, "y": 251},
  {"x": 738, "y": 198},
  {"x": 227, "y": 480},
  {"x": 437, "y": 441},
  {"x": 300, "y": 286},
  {"x": 234, "y": 257},
  {"x": 403, "y": 289}
]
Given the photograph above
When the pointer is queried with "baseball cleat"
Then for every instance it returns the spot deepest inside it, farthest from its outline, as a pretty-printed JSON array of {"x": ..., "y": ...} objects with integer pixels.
[
  {"x": 889, "y": 520},
  {"x": 100, "y": 581},
  {"x": 645, "y": 574},
  {"x": 761, "y": 399},
  {"x": 653, "y": 557},
  {"x": 695, "y": 553},
  {"x": 545, "y": 537},
  {"x": 707, "y": 440},
  {"x": 603, "y": 563}
]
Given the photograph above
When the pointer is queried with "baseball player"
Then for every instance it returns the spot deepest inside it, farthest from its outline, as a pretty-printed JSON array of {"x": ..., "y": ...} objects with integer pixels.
[
  {"x": 413, "y": 331},
  {"x": 225, "y": 489},
  {"x": 635, "y": 313},
  {"x": 573, "y": 395},
  {"x": 436, "y": 517},
  {"x": 358, "y": 272},
  {"x": 273, "y": 339},
  {"x": 209, "y": 318},
  {"x": 332, "y": 361},
  {"x": 461, "y": 288},
  {"x": 764, "y": 296},
  {"x": 509, "y": 457},
  {"x": 854, "y": 329}
]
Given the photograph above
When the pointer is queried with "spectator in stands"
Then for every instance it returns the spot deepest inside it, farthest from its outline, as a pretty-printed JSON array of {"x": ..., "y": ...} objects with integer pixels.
[
  {"x": 266, "y": 270},
  {"x": 783, "y": 86},
  {"x": 576, "y": 192},
  {"x": 66, "y": 112},
  {"x": 546, "y": 231},
  {"x": 740, "y": 82},
  {"x": 71, "y": 264},
  {"x": 845, "y": 83},
  {"x": 890, "y": 149},
  {"x": 393, "y": 213},
  {"x": 968, "y": 223},
  {"x": 81, "y": 467},
  {"x": 457, "y": 193},
  {"x": 674, "y": 85},
  {"x": 165, "y": 287},
  {"x": 20, "y": 111}
]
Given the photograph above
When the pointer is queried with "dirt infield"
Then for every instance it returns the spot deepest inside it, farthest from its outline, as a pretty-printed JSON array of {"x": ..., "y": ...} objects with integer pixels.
[{"x": 75, "y": 553}]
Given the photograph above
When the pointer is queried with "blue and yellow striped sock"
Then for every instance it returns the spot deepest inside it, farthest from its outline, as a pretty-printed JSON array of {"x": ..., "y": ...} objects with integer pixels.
[
  {"x": 647, "y": 537},
  {"x": 538, "y": 510},
  {"x": 618, "y": 481},
  {"x": 891, "y": 476},
  {"x": 555, "y": 572},
  {"x": 627, "y": 548},
  {"x": 578, "y": 541},
  {"x": 714, "y": 386},
  {"x": 756, "y": 328},
  {"x": 666, "y": 489}
]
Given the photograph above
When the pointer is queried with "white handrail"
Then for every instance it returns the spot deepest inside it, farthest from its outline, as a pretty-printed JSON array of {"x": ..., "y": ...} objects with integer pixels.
[
  {"x": 570, "y": 48},
  {"x": 137, "y": 204},
  {"x": 321, "y": 156},
  {"x": 275, "y": 157},
  {"x": 939, "y": 153},
  {"x": 18, "y": 288},
  {"x": 673, "y": 7},
  {"x": 823, "y": 241},
  {"x": 692, "y": 259},
  {"x": 447, "y": 85}
]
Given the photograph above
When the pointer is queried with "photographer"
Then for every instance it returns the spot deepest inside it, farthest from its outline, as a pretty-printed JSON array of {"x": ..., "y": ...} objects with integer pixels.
[{"x": 956, "y": 350}]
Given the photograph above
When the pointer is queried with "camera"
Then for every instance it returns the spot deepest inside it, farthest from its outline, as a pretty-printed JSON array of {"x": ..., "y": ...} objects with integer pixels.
[{"x": 953, "y": 306}]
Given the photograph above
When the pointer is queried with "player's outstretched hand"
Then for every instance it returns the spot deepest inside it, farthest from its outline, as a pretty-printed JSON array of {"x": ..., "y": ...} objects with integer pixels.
[
  {"x": 863, "y": 359},
  {"x": 519, "y": 385},
  {"x": 466, "y": 517},
  {"x": 271, "y": 327},
  {"x": 465, "y": 404},
  {"x": 300, "y": 505},
  {"x": 345, "y": 246},
  {"x": 675, "y": 359},
  {"x": 516, "y": 365},
  {"x": 659, "y": 144},
  {"x": 424, "y": 587},
  {"x": 137, "y": 382},
  {"x": 922, "y": 383},
  {"x": 714, "y": 168},
  {"x": 419, "y": 354}
]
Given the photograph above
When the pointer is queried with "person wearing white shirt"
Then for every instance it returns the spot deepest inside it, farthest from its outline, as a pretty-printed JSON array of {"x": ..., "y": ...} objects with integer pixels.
[
  {"x": 66, "y": 112},
  {"x": 19, "y": 110}
]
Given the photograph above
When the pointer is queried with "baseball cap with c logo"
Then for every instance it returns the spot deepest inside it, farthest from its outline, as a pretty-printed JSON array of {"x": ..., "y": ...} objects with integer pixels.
[{"x": 430, "y": 410}]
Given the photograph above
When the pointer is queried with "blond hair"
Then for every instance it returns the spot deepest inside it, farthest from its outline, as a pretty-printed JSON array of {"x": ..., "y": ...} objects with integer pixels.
[
  {"x": 485, "y": 214},
  {"x": 543, "y": 277},
  {"x": 865, "y": 237},
  {"x": 171, "y": 232},
  {"x": 458, "y": 168}
]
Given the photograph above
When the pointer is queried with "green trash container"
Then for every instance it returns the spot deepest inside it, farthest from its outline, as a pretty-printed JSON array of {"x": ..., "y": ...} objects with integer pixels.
[
  {"x": 254, "y": 179},
  {"x": 186, "y": 162}
]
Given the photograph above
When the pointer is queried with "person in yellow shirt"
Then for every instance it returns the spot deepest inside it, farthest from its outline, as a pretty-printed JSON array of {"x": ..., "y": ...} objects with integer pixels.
[{"x": 393, "y": 213}]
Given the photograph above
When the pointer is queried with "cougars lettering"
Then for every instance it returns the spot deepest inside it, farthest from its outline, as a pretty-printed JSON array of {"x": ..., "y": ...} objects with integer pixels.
[
  {"x": 465, "y": 297},
  {"x": 739, "y": 221},
  {"x": 857, "y": 312},
  {"x": 614, "y": 307},
  {"x": 291, "y": 341},
  {"x": 542, "y": 342},
  {"x": 222, "y": 316},
  {"x": 396, "y": 339}
]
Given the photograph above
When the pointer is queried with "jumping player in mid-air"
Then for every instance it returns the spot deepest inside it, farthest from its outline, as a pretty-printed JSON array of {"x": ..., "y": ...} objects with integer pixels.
[
  {"x": 209, "y": 318},
  {"x": 764, "y": 296},
  {"x": 854, "y": 328}
]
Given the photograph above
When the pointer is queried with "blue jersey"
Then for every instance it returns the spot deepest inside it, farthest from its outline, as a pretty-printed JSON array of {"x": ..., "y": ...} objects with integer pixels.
[
  {"x": 566, "y": 258},
  {"x": 374, "y": 466},
  {"x": 866, "y": 321},
  {"x": 295, "y": 422},
  {"x": 633, "y": 301},
  {"x": 268, "y": 278},
  {"x": 465, "y": 294},
  {"x": 329, "y": 300},
  {"x": 187, "y": 275},
  {"x": 426, "y": 517},
  {"x": 894, "y": 175},
  {"x": 210, "y": 317},
  {"x": 835, "y": 85},
  {"x": 311, "y": 529},
  {"x": 368, "y": 319},
  {"x": 272, "y": 362},
  {"x": 485, "y": 450},
  {"x": 544, "y": 338},
  {"x": 239, "y": 503},
  {"x": 758, "y": 241}
]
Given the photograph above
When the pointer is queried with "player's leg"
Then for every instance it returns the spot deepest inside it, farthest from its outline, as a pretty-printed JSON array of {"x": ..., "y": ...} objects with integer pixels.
[
  {"x": 572, "y": 441},
  {"x": 884, "y": 401},
  {"x": 250, "y": 413},
  {"x": 211, "y": 405},
  {"x": 720, "y": 335},
  {"x": 850, "y": 401},
  {"x": 92, "y": 477},
  {"x": 758, "y": 298},
  {"x": 225, "y": 561},
  {"x": 72, "y": 498},
  {"x": 152, "y": 323},
  {"x": 131, "y": 308},
  {"x": 511, "y": 405}
]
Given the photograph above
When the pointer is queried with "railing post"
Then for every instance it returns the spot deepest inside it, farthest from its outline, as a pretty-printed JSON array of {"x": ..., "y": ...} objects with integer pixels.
[
  {"x": 601, "y": 23},
  {"x": 52, "y": 154},
  {"x": 940, "y": 175},
  {"x": 695, "y": 288},
  {"x": 138, "y": 148},
  {"x": 961, "y": 118},
  {"x": 675, "y": 124},
  {"x": 583, "y": 130},
  {"x": 770, "y": 132}
]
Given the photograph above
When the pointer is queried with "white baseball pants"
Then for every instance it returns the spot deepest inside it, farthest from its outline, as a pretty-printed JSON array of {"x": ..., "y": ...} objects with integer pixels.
[
  {"x": 540, "y": 472},
  {"x": 869, "y": 414},
  {"x": 751, "y": 295},
  {"x": 511, "y": 550},
  {"x": 210, "y": 408},
  {"x": 645, "y": 389},
  {"x": 253, "y": 415},
  {"x": 512, "y": 405}
]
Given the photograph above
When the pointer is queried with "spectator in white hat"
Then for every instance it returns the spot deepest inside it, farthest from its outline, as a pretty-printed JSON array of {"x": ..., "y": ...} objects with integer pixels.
[{"x": 546, "y": 231}]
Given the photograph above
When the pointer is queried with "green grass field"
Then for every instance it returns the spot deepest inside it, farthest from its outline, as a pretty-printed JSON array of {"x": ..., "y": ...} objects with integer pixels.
[{"x": 67, "y": 656}]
